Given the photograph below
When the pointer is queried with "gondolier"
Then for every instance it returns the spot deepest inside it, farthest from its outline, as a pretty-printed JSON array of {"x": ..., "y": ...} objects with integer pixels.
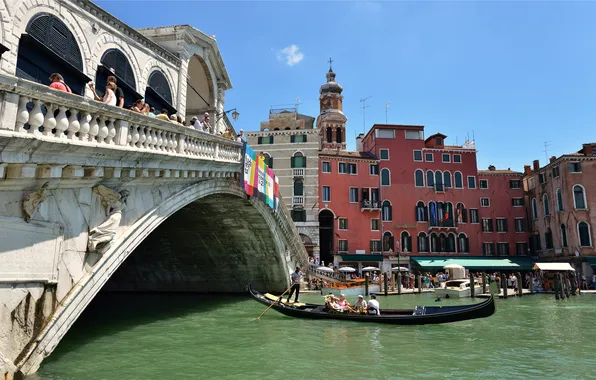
[{"x": 296, "y": 277}]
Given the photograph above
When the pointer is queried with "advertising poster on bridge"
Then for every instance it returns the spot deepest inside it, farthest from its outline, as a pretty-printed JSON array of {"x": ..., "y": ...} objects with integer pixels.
[{"x": 258, "y": 179}]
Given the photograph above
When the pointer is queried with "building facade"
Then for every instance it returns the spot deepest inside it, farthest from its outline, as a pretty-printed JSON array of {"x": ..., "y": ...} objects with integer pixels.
[
  {"x": 560, "y": 197},
  {"x": 290, "y": 144}
]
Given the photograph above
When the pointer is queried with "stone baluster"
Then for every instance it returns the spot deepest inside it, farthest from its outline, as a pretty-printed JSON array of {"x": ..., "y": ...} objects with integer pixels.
[
  {"x": 85, "y": 127},
  {"x": 181, "y": 148},
  {"x": 93, "y": 129},
  {"x": 216, "y": 151},
  {"x": 103, "y": 131},
  {"x": 49, "y": 121},
  {"x": 174, "y": 142},
  {"x": 73, "y": 124},
  {"x": 111, "y": 131},
  {"x": 36, "y": 117},
  {"x": 168, "y": 137},
  {"x": 148, "y": 138},
  {"x": 142, "y": 137},
  {"x": 22, "y": 115},
  {"x": 135, "y": 136},
  {"x": 61, "y": 122}
]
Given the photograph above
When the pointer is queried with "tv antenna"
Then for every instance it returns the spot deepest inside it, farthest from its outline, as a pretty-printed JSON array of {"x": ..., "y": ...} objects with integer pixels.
[
  {"x": 364, "y": 106},
  {"x": 386, "y": 110},
  {"x": 546, "y": 145},
  {"x": 298, "y": 102}
]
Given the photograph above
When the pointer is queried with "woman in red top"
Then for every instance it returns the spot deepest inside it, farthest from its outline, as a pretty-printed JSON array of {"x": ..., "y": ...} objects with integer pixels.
[{"x": 58, "y": 83}]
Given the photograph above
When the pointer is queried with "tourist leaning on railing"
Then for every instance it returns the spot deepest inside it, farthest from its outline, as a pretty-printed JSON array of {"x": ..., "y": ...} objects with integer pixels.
[{"x": 58, "y": 83}]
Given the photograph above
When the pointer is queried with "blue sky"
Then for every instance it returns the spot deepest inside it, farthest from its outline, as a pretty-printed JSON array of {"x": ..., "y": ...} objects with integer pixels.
[{"x": 516, "y": 74}]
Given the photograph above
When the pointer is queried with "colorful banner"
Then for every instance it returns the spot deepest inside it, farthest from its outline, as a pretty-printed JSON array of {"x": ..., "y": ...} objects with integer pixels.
[{"x": 258, "y": 180}]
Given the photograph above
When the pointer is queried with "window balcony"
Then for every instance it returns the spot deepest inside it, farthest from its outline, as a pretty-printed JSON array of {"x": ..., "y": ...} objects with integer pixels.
[
  {"x": 367, "y": 205},
  {"x": 298, "y": 172},
  {"x": 298, "y": 200}
]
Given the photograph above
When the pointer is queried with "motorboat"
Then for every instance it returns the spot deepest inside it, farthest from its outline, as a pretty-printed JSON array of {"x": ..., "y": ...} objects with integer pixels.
[
  {"x": 351, "y": 288},
  {"x": 458, "y": 289}
]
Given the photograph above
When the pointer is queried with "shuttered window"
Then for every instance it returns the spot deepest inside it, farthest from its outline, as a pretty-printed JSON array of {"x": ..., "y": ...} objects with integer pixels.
[
  {"x": 115, "y": 59},
  {"x": 159, "y": 84},
  {"x": 54, "y": 34}
]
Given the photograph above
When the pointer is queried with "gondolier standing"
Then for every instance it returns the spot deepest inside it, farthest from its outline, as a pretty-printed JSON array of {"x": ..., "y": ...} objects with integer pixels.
[{"x": 296, "y": 277}]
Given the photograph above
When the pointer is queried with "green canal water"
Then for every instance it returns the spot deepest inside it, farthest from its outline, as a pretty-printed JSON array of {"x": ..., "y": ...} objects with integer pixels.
[{"x": 197, "y": 337}]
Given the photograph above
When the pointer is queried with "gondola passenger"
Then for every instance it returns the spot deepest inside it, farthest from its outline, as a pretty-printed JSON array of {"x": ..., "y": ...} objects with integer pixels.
[
  {"x": 373, "y": 306},
  {"x": 360, "y": 306}
]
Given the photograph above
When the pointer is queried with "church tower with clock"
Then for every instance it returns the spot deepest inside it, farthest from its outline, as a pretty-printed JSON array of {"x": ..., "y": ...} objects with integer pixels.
[{"x": 331, "y": 121}]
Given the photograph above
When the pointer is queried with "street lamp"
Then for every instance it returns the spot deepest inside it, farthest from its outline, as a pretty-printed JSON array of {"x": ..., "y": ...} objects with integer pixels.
[{"x": 234, "y": 111}]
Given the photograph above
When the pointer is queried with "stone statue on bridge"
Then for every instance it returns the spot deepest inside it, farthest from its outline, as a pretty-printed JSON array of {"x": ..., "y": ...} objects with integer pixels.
[{"x": 113, "y": 202}]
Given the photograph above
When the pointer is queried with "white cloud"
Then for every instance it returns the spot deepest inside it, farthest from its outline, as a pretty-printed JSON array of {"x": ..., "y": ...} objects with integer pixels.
[{"x": 291, "y": 55}]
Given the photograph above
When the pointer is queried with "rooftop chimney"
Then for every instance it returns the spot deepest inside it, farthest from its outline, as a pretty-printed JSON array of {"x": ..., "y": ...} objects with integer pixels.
[
  {"x": 359, "y": 139},
  {"x": 553, "y": 159},
  {"x": 587, "y": 149},
  {"x": 527, "y": 170},
  {"x": 491, "y": 168},
  {"x": 536, "y": 165}
]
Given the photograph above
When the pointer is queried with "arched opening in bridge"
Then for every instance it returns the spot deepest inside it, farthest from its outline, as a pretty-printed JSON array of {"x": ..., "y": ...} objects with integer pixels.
[
  {"x": 199, "y": 95},
  {"x": 114, "y": 63},
  {"x": 159, "y": 93},
  {"x": 326, "y": 235}
]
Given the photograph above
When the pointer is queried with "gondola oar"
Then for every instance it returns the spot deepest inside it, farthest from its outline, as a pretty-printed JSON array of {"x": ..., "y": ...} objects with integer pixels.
[{"x": 280, "y": 297}]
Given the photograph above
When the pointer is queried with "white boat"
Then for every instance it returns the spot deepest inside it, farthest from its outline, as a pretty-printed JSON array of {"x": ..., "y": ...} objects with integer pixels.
[{"x": 458, "y": 289}]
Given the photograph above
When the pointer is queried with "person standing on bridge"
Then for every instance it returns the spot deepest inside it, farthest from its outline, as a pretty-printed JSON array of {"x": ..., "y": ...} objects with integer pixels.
[{"x": 296, "y": 277}]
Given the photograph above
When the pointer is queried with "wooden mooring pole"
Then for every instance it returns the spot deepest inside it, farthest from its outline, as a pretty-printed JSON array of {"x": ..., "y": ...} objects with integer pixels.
[
  {"x": 399, "y": 277},
  {"x": 385, "y": 283},
  {"x": 483, "y": 282},
  {"x": 504, "y": 284},
  {"x": 472, "y": 287},
  {"x": 520, "y": 284},
  {"x": 419, "y": 280},
  {"x": 531, "y": 284},
  {"x": 556, "y": 286},
  {"x": 366, "y": 284}
]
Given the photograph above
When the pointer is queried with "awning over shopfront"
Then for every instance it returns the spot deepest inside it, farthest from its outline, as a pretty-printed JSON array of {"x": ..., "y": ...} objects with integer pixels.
[
  {"x": 553, "y": 266},
  {"x": 591, "y": 261},
  {"x": 474, "y": 263},
  {"x": 361, "y": 258}
]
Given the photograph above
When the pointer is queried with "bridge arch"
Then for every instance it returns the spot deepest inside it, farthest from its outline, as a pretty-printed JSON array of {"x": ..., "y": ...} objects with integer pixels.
[{"x": 268, "y": 262}]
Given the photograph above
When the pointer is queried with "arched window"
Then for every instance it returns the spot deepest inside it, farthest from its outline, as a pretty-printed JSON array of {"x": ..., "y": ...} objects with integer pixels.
[
  {"x": 442, "y": 242},
  {"x": 432, "y": 214},
  {"x": 461, "y": 213},
  {"x": 268, "y": 160},
  {"x": 158, "y": 92},
  {"x": 438, "y": 178},
  {"x": 50, "y": 47},
  {"x": 298, "y": 160},
  {"x": 545, "y": 206},
  {"x": 559, "y": 200},
  {"x": 585, "y": 237},
  {"x": 451, "y": 242},
  {"x": 388, "y": 245},
  {"x": 339, "y": 136},
  {"x": 446, "y": 179},
  {"x": 448, "y": 215},
  {"x": 298, "y": 187},
  {"x": 387, "y": 217},
  {"x": 579, "y": 197},
  {"x": 463, "y": 245},
  {"x": 406, "y": 242},
  {"x": 440, "y": 213},
  {"x": 563, "y": 236},
  {"x": 534, "y": 209},
  {"x": 329, "y": 134},
  {"x": 459, "y": 182},
  {"x": 434, "y": 242},
  {"x": 419, "y": 178},
  {"x": 385, "y": 177},
  {"x": 114, "y": 63},
  {"x": 421, "y": 213},
  {"x": 422, "y": 242},
  {"x": 430, "y": 178}
]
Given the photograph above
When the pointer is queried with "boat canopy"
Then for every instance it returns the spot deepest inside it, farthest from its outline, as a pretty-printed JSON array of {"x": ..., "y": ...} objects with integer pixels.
[
  {"x": 591, "y": 261},
  {"x": 553, "y": 266},
  {"x": 475, "y": 263}
]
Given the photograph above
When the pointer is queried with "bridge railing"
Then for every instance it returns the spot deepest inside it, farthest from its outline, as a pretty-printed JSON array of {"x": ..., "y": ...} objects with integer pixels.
[{"x": 35, "y": 110}]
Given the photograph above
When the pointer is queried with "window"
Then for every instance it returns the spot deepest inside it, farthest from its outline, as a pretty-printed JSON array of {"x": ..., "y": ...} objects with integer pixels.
[
  {"x": 447, "y": 179},
  {"x": 438, "y": 141},
  {"x": 450, "y": 242},
  {"x": 458, "y": 179},
  {"x": 406, "y": 242},
  {"x": 585, "y": 238},
  {"x": 419, "y": 178},
  {"x": 488, "y": 249},
  {"x": 265, "y": 140},
  {"x": 385, "y": 133},
  {"x": 414, "y": 135},
  {"x": 434, "y": 242},
  {"x": 462, "y": 215},
  {"x": 298, "y": 215},
  {"x": 326, "y": 194},
  {"x": 386, "y": 211},
  {"x": 521, "y": 249},
  {"x": 428, "y": 157},
  {"x": 341, "y": 168},
  {"x": 352, "y": 169},
  {"x": 342, "y": 245},
  {"x": 483, "y": 183},
  {"x": 439, "y": 180},
  {"x": 353, "y": 195},
  {"x": 385, "y": 177},
  {"x": 563, "y": 236},
  {"x": 474, "y": 215},
  {"x": 517, "y": 202},
  {"x": 268, "y": 160},
  {"x": 555, "y": 171},
  {"x": 471, "y": 182},
  {"x": 298, "y": 160},
  {"x": 298, "y": 138},
  {"x": 502, "y": 225},
  {"x": 329, "y": 135},
  {"x": 298, "y": 188},
  {"x": 457, "y": 158},
  {"x": 421, "y": 214},
  {"x": 534, "y": 209},
  {"x": 575, "y": 167},
  {"x": 579, "y": 197},
  {"x": 375, "y": 225},
  {"x": 559, "y": 200},
  {"x": 487, "y": 225},
  {"x": 515, "y": 184},
  {"x": 374, "y": 169},
  {"x": 535, "y": 241},
  {"x": 343, "y": 224},
  {"x": 417, "y": 155},
  {"x": 484, "y": 202},
  {"x": 326, "y": 166},
  {"x": 520, "y": 225},
  {"x": 422, "y": 242},
  {"x": 339, "y": 136},
  {"x": 446, "y": 157},
  {"x": 541, "y": 178},
  {"x": 532, "y": 183},
  {"x": 375, "y": 246},
  {"x": 463, "y": 244},
  {"x": 430, "y": 178},
  {"x": 388, "y": 243},
  {"x": 384, "y": 153},
  {"x": 503, "y": 249},
  {"x": 545, "y": 205},
  {"x": 548, "y": 239}
]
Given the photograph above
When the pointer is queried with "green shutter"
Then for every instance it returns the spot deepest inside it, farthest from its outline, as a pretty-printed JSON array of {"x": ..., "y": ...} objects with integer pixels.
[
  {"x": 292, "y": 164},
  {"x": 259, "y": 140},
  {"x": 293, "y": 138}
]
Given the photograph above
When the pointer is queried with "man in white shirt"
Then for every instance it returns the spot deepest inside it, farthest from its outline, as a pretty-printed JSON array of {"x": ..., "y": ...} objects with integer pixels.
[
  {"x": 296, "y": 277},
  {"x": 373, "y": 306}
]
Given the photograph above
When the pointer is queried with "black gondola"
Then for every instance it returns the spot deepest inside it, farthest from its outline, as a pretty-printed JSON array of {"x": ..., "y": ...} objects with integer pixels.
[{"x": 421, "y": 315}]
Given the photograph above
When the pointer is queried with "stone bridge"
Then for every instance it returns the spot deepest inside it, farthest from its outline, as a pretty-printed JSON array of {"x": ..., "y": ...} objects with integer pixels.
[{"x": 91, "y": 193}]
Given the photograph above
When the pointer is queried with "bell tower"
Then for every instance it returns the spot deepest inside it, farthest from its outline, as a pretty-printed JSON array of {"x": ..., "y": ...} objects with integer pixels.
[{"x": 331, "y": 121}]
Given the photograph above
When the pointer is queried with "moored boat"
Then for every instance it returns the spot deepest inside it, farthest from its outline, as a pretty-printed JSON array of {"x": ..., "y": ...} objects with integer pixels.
[
  {"x": 421, "y": 315},
  {"x": 350, "y": 288},
  {"x": 458, "y": 289}
]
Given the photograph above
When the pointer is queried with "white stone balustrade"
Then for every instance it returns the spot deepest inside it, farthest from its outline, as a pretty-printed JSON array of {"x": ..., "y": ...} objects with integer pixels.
[{"x": 45, "y": 113}]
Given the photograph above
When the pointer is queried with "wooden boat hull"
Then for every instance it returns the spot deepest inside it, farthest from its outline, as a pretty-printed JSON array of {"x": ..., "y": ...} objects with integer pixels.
[{"x": 419, "y": 316}]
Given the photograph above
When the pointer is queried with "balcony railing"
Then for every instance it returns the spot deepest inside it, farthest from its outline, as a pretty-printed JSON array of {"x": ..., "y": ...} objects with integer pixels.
[
  {"x": 298, "y": 200},
  {"x": 49, "y": 115},
  {"x": 298, "y": 172},
  {"x": 370, "y": 205}
]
